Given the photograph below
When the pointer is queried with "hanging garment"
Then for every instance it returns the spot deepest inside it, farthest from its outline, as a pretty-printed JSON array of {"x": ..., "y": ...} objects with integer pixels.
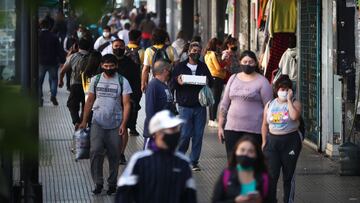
[
  {"x": 262, "y": 16},
  {"x": 280, "y": 43},
  {"x": 283, "y": 16}
]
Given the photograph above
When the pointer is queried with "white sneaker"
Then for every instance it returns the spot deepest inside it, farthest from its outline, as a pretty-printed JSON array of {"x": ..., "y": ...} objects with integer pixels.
[{"x": 215, "y": 124}]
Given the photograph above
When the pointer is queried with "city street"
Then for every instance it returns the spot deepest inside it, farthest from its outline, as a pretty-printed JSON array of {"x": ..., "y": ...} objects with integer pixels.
[{"x": 65, "y": 180}]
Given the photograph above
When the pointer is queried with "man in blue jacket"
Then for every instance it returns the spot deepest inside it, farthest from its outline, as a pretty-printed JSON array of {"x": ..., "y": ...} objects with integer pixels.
[
  {"x": 158, "y": 174},
  {"x": 190, "y": 110}
]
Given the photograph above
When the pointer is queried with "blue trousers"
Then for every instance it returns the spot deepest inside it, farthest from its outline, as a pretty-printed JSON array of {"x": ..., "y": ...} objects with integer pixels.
[
  {"x": 193, "y": 128},
  {"x": 53, "y": 78}
]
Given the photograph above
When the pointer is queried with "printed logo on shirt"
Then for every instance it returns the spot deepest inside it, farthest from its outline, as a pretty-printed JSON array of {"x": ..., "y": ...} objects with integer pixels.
[
  {"x": 279, "y": 117},
  {"x": 292, "y": 152},
  {"x": 107, "y": 90}
]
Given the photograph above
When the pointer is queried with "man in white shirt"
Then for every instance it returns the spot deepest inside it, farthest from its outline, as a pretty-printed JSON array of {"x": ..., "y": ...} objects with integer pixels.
[
  {"x": 104, "y": 41},
  {"x": 124, "y": 34}
]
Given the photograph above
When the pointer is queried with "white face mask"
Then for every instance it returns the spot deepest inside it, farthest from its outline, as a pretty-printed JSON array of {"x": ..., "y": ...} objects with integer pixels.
[
  {"x": 282, "y": 95},
  {"x": 106, "y": 34}
]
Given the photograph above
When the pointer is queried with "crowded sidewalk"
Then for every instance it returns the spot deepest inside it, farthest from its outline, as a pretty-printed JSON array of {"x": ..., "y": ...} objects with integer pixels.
[{"x": 65, "y": 180}]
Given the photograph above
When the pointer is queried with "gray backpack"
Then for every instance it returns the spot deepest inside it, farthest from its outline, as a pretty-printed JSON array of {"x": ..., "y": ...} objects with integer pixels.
[{"x": 206, "y": 97}]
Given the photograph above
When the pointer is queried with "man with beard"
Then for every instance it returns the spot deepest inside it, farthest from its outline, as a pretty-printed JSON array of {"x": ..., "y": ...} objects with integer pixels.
[
  {"x": 131, "y": 71},
  {"x": 159, "y": 174},
  {"x": 109, "y": 99}
]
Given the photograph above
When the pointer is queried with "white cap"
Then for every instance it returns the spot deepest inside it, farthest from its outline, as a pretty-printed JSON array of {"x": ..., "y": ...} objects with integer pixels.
[{"x": 163, "y": 120}]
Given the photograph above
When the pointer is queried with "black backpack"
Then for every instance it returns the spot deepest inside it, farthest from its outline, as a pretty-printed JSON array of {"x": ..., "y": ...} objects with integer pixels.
[
  {"x": 80, "y": 65},
  {"x": 133, "y": 53},
  {"x": 160, "y": 54}
]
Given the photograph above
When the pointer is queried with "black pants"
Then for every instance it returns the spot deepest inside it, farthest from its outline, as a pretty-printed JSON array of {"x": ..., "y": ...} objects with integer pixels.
[
  {"x": 282, "y": 152},
  {"x": 76, "y": 98},
  {"x": 232, "y": 137},
  {"x": 134, "y": 109},
  {"x": 217, "y": 88},
  {"x": 68, "y": 75}
]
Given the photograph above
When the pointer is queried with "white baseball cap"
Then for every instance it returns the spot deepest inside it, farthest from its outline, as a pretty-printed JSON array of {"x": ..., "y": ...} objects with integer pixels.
[{"x": 163, "y": 120}]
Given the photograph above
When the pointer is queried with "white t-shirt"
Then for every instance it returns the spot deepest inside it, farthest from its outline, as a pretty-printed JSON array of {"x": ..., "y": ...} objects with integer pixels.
[
  {"x": 192, "y": 67},
  {"x": 107, "y": 109},
  {"x": 101, "y": 40},
  {"x": 124, "y": 35}
]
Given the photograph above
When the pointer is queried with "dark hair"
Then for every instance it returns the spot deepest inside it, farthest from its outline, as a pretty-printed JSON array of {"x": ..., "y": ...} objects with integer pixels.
[
  {"x": 109, "y": 58},
  {"x": 260, "y": 166},
  {"x": 185, "y": 48},
  {"x": 117, "y": 40},
  {"x": 134, "y": 35},
  {"x": 229, "y": 40},
  {"x": 292, "y": 41},
  {"x": 127, "y": 26},
  {"x": 180, "y": 35},
  {"x": 212, "y": 44},
  {"x": 93, "y": 64},
  {"x": 196, "y": 38},
  {"x": 159, "y": 36},
  {"x": 251, "y": 55},
  {"x": 44, "y": 24},
  {"x": 84, "y": 44},
  {"x": 106, "y": 28},
  {"x": 282, "y": 82}
]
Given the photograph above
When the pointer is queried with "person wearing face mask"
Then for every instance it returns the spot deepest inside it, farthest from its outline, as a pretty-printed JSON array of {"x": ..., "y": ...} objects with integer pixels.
[
  {"x": 109, "y": 100},
  {"x": 218, "y": 73},
  {"x": 282, "y": 140},
  {"x": 187, "y": 96},
  {"x": 159, "y": 174},
  {"x": 103, "y": 43},
  {"x": 245, "y": 180},
  {"x": 230, "y": 55},
  {"x": 131, "y": 71},
  {"x": 76, "y": 63},
  {"x": 158, "y": 95},
  {"x": 242, "y": 105}
]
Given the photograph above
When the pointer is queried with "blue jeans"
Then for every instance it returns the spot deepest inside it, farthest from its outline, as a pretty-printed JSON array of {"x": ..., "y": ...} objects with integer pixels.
[
  {"x": 53, "y": 78},
  {"x": 193, "y": 128}
]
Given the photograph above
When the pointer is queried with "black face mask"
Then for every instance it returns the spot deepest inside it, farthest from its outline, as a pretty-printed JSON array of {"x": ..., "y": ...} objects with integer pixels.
[
  {"x": 109, "y": 72},
  {"x": 119, "y": 52},
  {"x": 171, "y": 140},
  {"x": 195, "y": 57},
  {"x": 234, "y": 48},
  {"x": 245, "y": 161},
  {"x": 247, "y": 69}
]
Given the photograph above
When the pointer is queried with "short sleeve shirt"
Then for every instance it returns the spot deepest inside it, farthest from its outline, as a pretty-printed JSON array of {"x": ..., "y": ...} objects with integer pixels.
[
  {"x": 107, "y": 109},
  {"x": 171, "y": 52}
]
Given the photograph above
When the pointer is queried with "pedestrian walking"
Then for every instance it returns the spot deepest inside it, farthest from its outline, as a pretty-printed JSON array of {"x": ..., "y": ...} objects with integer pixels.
[
  {"x": 242, "y": 105},
  {"x": 213, "y": 62},
  {"x": 133, "y": 49},
  {"x": 109, "y": 99},
  {"x": 104, "y": 41},
  {"x": 187, "y": 97},
  {"x": 179, "y": 43},
  {"x": 124, "y": 33},
  {"x": 159, "y": 174},
  {"x": 159, "y": 51},
  {"x": 282, "y": 141},
  {"x": 76, "y": 63},
  {"x": 147, "y": 26},
  {"x": 158, "y": 95},
  {"x": 51, "y": 55},
  {"x": 131, "y": 71},
  {"x": 230, "y": 55},
  {"x": 245, "y": 180}
]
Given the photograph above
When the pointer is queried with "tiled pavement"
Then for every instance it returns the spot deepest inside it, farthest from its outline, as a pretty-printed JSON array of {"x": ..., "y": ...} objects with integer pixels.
[{"x": 65, "y": 180}]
